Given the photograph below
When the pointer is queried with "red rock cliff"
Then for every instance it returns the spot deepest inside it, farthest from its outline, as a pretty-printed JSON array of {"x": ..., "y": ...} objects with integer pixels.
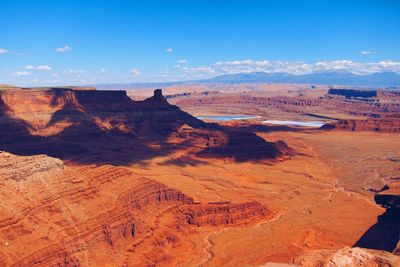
[{"x": 63, "y": 122}]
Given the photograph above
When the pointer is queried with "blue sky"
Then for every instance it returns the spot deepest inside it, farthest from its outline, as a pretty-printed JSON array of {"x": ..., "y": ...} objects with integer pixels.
[{"x": 81, "y": 42}]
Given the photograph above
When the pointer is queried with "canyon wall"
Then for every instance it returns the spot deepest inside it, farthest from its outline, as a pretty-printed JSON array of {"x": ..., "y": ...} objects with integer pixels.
[
  {"x": 63, "y": 122},
  {"x": 365, "y": 103},
  {"x": 58, "y": 215},
  {"x": 377, "y": 125}
]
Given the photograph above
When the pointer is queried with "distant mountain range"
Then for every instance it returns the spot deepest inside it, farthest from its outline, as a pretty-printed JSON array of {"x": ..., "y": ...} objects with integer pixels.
[{"x": 383, "y": 79}]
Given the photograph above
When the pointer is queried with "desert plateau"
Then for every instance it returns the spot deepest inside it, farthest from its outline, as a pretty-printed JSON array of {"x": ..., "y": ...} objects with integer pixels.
[
  {"x": 95, "y": 177},
  {"x": 200, "y": 133}
]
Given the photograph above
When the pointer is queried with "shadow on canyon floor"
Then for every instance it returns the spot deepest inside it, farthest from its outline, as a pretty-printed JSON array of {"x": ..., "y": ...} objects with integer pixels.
[
  {"x": 384, "y": 234},
  {"x": 146, "y": 126},
  {"x": 83, "y": 141}
]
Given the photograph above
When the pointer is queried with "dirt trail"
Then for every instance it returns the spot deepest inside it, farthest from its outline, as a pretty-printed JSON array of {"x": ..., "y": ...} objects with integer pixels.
[{"x": 209, "y": 243}]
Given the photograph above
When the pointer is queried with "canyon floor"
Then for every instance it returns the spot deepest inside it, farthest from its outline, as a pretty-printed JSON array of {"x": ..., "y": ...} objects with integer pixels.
[
  {"x": 318, "y": 196},
  {"x": 126, "y": 196}
]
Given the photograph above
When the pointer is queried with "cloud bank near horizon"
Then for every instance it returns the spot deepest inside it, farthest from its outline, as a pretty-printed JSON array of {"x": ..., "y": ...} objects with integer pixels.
[
  {"x": 184, "y": 71},
  {"x": 290, "y": 67}
]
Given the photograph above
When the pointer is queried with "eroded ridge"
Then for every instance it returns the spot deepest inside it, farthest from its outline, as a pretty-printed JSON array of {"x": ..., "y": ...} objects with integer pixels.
[
  {"x": 27, "y": 166},
  {"x": 377, "y": 125},
  {"x": 90, "y": 215},
  {"x": 224, "y": 213},
  {"x": 90, "y": 126}
]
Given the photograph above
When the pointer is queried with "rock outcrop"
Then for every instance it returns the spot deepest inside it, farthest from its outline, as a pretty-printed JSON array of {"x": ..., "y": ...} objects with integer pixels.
[
  {"x": 220, "y": 213},
  {"x": 376, "y": 125},
  {"x": 385, "y": 233},
  {"x": 238, "y": 145},
  {"x": 65, "y": 215},
  {"x": 347, "y": 257},
  {"x": 361, "y": 103},
  {"x": 64, "y": 123},
  {"x": 379, "y": 246},
  {"x": 27, "y": 167}
]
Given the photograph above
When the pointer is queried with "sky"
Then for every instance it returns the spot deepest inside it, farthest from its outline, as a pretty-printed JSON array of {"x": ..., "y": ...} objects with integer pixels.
[{"x": 75, "y": 42}]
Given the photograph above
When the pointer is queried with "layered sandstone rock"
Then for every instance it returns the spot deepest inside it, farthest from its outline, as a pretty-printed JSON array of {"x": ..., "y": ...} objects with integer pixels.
[
  {"x": 377, "y": 125},
  {"x": 220, "y": 213},
  {"x": 62, "y": 122},
  {"x": 239, "y": 145},
  {"x": 347, "y": 257},
  {"x": 27, "y": 166},
  {"x": 360, "y": 103},
  {"x": 94, "y": 215}
]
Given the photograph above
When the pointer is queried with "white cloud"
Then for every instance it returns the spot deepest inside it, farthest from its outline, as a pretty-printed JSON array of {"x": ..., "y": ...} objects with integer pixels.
[
  {"x": 291, "y": 67},
  {"x": 43, "y": 68},
  {"x": 63, "y": 49},
  {"x": 182, "y": 61},
  {"x": 366, "y": 53},
  {"x": 103, "y": 70},
  {"x": 22, "y": 73},
  {"x": 135, "y": 72},
  {"x": 197, "y": 72},
  {"x": 74, "y": 71},
  {"x": 359, "y": 68},
  {"x": 169, "y": 50},
  {"x": 35, "y": 80},
  {"x": 4, "y": 51}
]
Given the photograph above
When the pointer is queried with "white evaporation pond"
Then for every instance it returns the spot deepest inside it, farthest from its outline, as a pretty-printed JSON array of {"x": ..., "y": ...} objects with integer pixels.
[
  {"x": 228, "y": 118},
  {"x": 296, "y": 123}
]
